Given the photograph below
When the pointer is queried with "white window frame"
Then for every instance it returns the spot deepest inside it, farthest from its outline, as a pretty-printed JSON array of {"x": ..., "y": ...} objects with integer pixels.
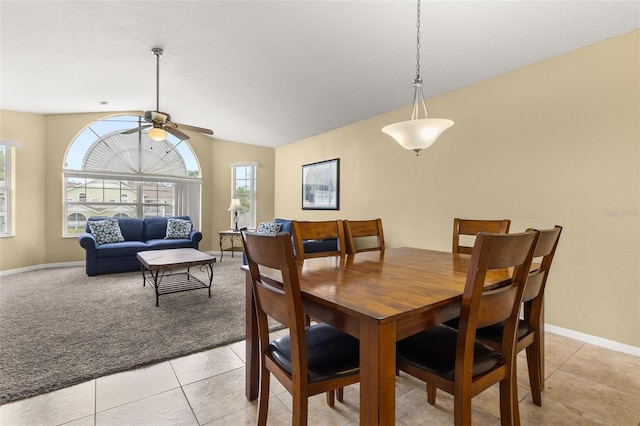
[
  {"x": 247, "y": 217},
  {"x": 6, "y": 207}
]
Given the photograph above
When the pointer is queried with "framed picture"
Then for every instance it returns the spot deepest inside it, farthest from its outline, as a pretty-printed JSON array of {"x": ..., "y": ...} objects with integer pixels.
[{"x": 321, "y": 185}]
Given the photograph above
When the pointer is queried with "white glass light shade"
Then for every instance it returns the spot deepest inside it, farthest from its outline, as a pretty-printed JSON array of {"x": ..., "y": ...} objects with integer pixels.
[
  {"x": 419, "y": 134},
  {"x": 235, "y": 205},
  {"x": 157, "y": 134}
]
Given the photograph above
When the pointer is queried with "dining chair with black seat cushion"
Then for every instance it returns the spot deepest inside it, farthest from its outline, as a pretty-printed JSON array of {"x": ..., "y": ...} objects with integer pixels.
[
  {"x": 331, "y": 231},
  {"x": 454, "y": 360},
  {"x": 471, "y": 227},
  {"x": 309, "y": 360},
  {"x": 361, "y": 230},
  {"x": 530, "y": 335}
]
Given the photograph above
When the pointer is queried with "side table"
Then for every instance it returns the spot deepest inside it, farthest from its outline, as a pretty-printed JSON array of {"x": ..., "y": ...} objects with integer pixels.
[{"x": 231, "y": 235}]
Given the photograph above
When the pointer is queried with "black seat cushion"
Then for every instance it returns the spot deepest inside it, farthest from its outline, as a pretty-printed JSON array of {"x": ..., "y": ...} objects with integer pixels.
[
  {"x": 493, "y": 332},
  {"x": 434, "y": 350},
  {"x": 330, "y": 352}
]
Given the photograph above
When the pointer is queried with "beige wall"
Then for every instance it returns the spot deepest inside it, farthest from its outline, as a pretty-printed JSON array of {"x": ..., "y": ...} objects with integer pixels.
[
  {"x": 45, "y": 139},
  {"x": 227, "y": 153},
  {"x": 25, "y": 247},
  {"x": 557, "y": 142}
]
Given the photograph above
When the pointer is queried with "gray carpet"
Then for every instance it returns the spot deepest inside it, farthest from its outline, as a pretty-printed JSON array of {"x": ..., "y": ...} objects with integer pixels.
[{"x": 59, "y": 327}]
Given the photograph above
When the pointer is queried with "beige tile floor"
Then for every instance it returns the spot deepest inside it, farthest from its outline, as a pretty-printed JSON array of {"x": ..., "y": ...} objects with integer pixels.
[{"x": 586, "y": 385}]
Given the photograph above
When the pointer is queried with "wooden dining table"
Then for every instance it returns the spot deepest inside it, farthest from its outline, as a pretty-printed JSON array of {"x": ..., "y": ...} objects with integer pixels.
[{"x": 379, "y": 298}]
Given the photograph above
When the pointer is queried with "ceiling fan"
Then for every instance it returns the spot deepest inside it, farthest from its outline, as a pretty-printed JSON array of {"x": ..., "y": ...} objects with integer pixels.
[{"x": 160, "y": 122}]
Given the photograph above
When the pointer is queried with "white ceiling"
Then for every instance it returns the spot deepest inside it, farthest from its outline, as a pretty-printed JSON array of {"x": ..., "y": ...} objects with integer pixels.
[{"x": 273, "y": 72}]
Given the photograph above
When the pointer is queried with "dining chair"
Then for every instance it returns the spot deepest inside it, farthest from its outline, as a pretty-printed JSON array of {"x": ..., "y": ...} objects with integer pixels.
[
  {"x": 471, "y": 227},
  {"x": 454, "y": 360},
  {"x": 530, "y": 333},
  {"x": 318, "y": 230},
  {"x": 362, "y": 230},
  {"x": 308, "y": 360}
]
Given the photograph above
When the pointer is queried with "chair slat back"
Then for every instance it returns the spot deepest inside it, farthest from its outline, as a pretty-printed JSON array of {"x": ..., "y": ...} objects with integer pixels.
[
  {"x": 363, "y": 228},
  {"x": 473, "y": 227},
  {"x": 318, "y": 230},
  {"x": 496, "y": 305},
  {"x": 546, "y": 249},
  {"x": 482, "y": 307},
  {"x": 278, "y": 299}
]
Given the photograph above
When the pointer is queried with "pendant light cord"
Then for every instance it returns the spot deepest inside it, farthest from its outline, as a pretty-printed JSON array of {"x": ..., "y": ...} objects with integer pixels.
[
  {"x": 418, "y": 97},
  {"x": 418, "y": 44}
]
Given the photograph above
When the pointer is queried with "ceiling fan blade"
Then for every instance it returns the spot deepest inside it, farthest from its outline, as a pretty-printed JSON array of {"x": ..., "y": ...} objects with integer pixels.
[
  {"x": 177, "y": 133},
  {"x": 135, "y": 129},
  {"x": 193, "y": 128}
]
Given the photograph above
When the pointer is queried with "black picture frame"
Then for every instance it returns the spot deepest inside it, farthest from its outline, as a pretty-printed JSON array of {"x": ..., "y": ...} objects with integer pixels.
[{"x": 321, "y": 185}]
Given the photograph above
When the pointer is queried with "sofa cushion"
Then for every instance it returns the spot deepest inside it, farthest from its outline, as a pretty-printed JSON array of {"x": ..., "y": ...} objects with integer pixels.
[
  {"x": 269, "y": 228},
  {"x": 105, "y": 231},
  {"x": 124, "y": 248},
  {"x": 178, "y": 228},
  {"x": 169, "y": 244},
  {"x": 155, "y": 228},
  {"x": 132, "y": 228},
  {"x": 286, "y": 225}
]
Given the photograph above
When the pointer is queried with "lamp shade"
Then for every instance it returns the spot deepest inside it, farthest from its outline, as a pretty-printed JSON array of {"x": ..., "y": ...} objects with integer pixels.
[
  {"x": 235, "y": 205},
  {"x": 157, "y": 134},
  {"x": 417, "y": 134}
]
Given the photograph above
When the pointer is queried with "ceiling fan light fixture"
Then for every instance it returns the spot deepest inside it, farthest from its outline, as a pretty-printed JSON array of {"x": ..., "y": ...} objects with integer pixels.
[
  {"x": 157, "y": 134},
  {"x": 418, "y": 133}
]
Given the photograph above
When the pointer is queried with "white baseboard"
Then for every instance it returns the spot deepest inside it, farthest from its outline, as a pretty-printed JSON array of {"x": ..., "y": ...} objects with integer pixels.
[
  {"x": 587, "y": 338},
  {"x": 594, "y": 340},
  {"x": 42, "y": 266}
]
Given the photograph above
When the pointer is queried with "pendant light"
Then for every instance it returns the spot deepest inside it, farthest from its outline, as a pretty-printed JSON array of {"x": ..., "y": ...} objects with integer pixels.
[{"x": 418, "y": 133}]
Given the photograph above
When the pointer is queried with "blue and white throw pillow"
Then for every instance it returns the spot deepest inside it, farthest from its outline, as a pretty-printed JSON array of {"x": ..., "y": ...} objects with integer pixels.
[
  {"x": 269, "y": 228},
  {"x": 178, "y": 228},
  {"x": 106, "y": 231}
]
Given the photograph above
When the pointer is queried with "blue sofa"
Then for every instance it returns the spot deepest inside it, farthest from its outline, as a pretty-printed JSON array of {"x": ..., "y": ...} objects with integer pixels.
[
  {"x": 139, "y": 235},
  {"x": 310, "y": 246}
]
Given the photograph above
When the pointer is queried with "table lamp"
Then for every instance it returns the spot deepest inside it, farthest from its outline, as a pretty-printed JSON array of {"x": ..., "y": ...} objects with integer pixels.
[{"x": 234, "y": 207}]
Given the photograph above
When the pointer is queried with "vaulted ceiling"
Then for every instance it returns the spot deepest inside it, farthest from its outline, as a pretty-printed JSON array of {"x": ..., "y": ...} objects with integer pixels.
[{"x": 273, "y": 72}]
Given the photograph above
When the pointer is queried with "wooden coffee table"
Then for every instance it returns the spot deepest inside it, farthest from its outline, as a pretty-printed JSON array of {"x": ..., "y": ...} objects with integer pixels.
[{"x": 158, "y": 269}]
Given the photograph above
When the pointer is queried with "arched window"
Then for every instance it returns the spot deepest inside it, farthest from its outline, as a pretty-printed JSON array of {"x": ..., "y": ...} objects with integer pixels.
[{"x": 129, "y": 175}]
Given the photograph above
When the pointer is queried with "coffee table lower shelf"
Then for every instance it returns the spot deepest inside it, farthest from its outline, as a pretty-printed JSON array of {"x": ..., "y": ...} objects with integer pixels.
[{"x": 167, "y": 281}]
